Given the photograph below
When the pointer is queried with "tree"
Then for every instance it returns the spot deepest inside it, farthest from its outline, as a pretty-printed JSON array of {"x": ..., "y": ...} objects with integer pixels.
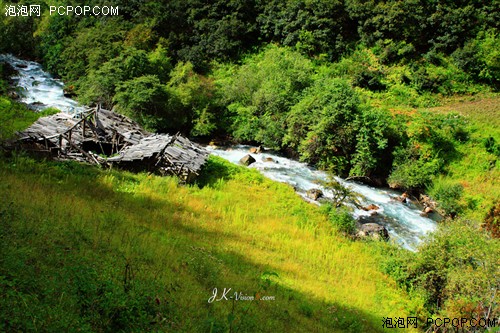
[
  {"x": 144, "y": 98},
  {"x": 323, "y": 125},
  {"x": 317, "y": 28},
  {"x": 260, "y": 93}
]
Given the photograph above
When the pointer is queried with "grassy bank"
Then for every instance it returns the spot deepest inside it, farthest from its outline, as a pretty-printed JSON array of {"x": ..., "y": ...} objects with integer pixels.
[
  {"x": 478, "y": 168},
  {"x": 99, "y": 250}
]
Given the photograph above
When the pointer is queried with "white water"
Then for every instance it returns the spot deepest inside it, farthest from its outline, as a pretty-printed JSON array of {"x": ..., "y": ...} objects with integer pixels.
[
  {"x": 39, "y": 88},
  {"x": 403, "y": 221}
]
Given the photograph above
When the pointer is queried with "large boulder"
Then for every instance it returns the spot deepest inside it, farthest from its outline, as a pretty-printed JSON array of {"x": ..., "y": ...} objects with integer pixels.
[
  {"x": 314, "y": 194},
  {"x": 372, "y": 230},
  {"x": 247, "y": 160}
]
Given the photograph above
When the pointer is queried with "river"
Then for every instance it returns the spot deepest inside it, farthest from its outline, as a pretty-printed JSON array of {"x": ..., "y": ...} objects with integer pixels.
[
  {"x": 38, "y": 88},
  {"x": 403, "y": 221}
]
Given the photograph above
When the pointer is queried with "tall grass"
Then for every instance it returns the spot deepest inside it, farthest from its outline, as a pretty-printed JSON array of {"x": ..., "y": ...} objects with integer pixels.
[{"x": 99, "y": 250}]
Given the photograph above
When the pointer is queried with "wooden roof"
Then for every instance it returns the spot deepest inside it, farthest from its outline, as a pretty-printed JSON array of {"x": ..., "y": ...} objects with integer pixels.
[{"x": 131, "y": 145}]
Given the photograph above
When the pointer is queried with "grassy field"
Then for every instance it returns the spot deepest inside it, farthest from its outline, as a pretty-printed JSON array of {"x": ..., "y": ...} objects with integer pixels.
[
  {"x": 91, "y": 249},
  {"x": 86, "y": 249}
]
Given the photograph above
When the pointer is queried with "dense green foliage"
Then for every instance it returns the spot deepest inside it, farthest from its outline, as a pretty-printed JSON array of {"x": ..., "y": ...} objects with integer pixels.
[
  {"x": 300, "y": 77},
  {"x": 455, "y": 272}
]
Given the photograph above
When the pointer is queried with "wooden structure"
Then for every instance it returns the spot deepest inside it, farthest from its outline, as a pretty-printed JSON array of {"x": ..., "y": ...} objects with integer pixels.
[
  {"x": 104, "y": 137},
  {"x": 165, "y": 154}
]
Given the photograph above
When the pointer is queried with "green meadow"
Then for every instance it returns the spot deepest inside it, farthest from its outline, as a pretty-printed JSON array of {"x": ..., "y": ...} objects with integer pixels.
[{"x": 103, "y": 250}]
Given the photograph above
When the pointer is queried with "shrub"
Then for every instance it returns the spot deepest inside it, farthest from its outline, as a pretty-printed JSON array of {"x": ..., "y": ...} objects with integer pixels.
[
  {"x": 323, "y": 125},
  {"x": 145, "y": 99},
  {"x": 492, "y": 146},
  {"x": 412, "y": 170},
  {"x": 481, "y": 58},
  {"x": 340, "y": 218},
  {"x": 260, "y": 93},
  {"x": 448, "y": 195},
  {"x": 455, "y": 271}
]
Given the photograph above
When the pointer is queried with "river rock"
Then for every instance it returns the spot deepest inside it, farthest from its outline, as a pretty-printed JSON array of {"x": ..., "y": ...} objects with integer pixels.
[
  {"x": 314, "y": 193},
  {"x": 374, "y": 217},
  {"x": 373, "y": 230},
  {"x": 247, "y": 160},
  {"x": 427, "y": 210},
  {"x": 268, "y": 159},
  {"x": 371, "y": 207},
  {"x": 68, "y": 94},
  {"x": 13, "y": 95},
  {"x": 256, "y": 150},
  {"x": 426, "y": 201}
]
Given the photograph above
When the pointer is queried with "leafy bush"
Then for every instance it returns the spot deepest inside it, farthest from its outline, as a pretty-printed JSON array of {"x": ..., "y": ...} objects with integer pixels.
[
  {"x": 412, "y": 170},
  {"x": 455, "y": 270},
  {"x": 428, "y": 144},
  {"x": 145, "y": 99},
  {"x": 438, "y": 74},
  {"x": 448, "y": 195},
  {"x": 492, "y": 146},
  {"x": 100, "y": 84},
  {"x": 481, "y": 57},
  {"x": 260, "y": 93},
  {"x": 340, "y": 218},
  {"x": 323, "y": 125},
  {"x": 192, "y": 95},
  {"x": 340, "y": 194},
  {"x": 363, "y": 68}
]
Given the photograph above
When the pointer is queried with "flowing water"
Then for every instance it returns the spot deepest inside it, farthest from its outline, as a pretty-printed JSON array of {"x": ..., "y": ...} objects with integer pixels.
[
  {"x": 38, "y": 88},
  {"x": 403, "y": 221}
]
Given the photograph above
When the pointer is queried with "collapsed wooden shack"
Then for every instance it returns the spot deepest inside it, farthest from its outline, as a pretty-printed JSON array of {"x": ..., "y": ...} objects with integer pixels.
[{"x": 104, "y": 137}]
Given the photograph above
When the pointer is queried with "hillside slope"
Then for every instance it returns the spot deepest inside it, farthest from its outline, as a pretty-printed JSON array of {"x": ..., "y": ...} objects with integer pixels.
[{"x": 99, "y": 250}]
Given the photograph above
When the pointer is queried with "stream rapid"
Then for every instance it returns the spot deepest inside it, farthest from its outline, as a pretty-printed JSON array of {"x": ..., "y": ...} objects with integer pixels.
[{"x": 38, "y": 88}]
